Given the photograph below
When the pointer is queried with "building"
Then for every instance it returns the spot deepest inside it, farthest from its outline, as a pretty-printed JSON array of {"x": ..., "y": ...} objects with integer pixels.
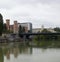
[
  {"x": 27, "y": 26},
  {"x": 11, "y": 28},
  {"x": 8, "y": 24},
  {"x": 15, "y": 27},
  {"x": 51, "y": 30},
  {"x": 35, "y": 30}
]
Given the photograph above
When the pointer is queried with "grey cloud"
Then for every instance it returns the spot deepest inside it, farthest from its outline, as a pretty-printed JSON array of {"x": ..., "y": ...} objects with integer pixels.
[
  {"x": 42, "y": 22},
  {"x": 38, "y": 1},
  {"x": 46, "y": 12},
  {"x": 49, "y": 1},
  {"x": 7, "y": 4}
]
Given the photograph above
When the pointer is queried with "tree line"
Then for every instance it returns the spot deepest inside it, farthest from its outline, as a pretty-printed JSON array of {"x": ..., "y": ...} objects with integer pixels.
[{"x": 48, "y": 37}]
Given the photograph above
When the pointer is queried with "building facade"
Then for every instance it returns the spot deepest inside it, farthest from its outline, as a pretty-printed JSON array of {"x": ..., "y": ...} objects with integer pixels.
[
  {"x": 15, "y": 27},
  {"x": 35, "y": 30},
  {"x": 27, "y": 26},
  {"x": 8, "y": 24},
  {"x": 11, "y": 28}
]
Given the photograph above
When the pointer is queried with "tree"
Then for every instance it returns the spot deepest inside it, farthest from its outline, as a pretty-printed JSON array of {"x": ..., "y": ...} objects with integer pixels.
[
  {"x": 1, "y": 55},
  {"x": 4, "y": 28},
  {"x": 1, "y": 24},
  {"x": 46, "y": 37},
  {"x": 57, "y": 29},
  {"x": 21, "y": 30},
  {"x": 45, "y": 31}
]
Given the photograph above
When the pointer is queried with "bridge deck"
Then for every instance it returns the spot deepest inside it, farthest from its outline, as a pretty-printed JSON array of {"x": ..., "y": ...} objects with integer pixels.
[{"x": 39, "y": 34}]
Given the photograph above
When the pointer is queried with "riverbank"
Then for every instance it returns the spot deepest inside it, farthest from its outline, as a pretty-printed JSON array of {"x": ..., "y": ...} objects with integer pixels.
[
  {"x": 33, "y": 43},
  {"x": 46, "y": 44}
]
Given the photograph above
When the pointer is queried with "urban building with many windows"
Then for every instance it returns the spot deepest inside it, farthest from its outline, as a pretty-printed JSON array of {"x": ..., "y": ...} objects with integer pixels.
[{"x": 27, "y": 26}]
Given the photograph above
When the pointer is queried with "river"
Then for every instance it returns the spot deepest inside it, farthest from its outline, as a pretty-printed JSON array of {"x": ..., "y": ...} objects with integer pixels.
[{"x": 20, "y": 53}]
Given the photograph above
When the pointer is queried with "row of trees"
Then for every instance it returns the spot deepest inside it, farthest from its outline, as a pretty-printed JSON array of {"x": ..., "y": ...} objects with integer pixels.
[
  {"x": 47, "y": 37},
  {"x": 1, "y": 24},
  {"x": 47, "y": 40}
]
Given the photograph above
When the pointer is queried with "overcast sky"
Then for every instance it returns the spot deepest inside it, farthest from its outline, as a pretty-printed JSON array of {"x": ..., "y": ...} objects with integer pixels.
[{"x": 38, "y": 12}]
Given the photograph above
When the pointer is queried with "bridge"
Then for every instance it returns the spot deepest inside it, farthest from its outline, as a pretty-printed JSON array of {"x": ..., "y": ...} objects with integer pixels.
[
  {"x": 27, "y": 35},
  {"x": 39, "y": 34}
]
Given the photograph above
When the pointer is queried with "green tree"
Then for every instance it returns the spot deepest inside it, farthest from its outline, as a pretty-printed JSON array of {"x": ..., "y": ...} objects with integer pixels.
[
  {"x": 21, "y": 30},
  {"x": 4, "y": 28},
  {"x": 57, "y": 29},
  {"x": 45, "y": 31},
  {"x": 1, "y": 24},
  {"x": 1, "y": 55},
  {"x": 44, "y": 37}
]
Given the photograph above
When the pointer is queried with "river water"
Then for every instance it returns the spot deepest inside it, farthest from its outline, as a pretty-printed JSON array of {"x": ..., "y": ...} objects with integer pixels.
[{"x": 20, "y": 53}]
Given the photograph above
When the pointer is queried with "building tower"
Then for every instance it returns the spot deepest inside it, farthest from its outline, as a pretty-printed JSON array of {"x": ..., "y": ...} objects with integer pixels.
[
  {"x": 15, "y": 27},
  {"x": 8, "y": 24}
]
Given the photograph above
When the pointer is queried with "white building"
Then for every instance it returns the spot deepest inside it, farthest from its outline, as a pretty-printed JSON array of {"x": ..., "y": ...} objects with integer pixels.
[{"x": 35, "y": 30}]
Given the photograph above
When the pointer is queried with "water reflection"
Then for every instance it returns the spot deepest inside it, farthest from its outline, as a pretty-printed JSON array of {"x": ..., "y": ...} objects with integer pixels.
[
  {"x": 20, "y": 53},
  {"x": 1, "y": 55},
  {"x": 8, "y": 54},
  {"x": 15, "y": 50}
]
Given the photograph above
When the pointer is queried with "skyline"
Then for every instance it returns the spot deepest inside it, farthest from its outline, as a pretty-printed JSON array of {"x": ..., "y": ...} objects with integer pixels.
[{"x": 38, "y": 12}]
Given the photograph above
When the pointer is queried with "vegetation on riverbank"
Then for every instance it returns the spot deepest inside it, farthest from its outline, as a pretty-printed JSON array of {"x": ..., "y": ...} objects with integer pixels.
[
  {"x": 1, "y": 24},
  {"x": 1, "y": 55},
  {"x": 47, "y": 44},
  {"x": 47, "y": 40}
]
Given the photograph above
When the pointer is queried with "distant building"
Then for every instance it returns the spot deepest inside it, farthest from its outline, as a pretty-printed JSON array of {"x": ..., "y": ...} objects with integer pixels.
[
  {"x": 42, "y": 28},
  {"x": 51, "y": 30},
  {"x": 11, "y": 28},
  {"x": 27, "y": 26},
  {"x": 35, "y": 30},
  {"x": 8, "y": 24},
  {"x": 26, "y": 29},
  {"x": 15, "y": 26}
]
